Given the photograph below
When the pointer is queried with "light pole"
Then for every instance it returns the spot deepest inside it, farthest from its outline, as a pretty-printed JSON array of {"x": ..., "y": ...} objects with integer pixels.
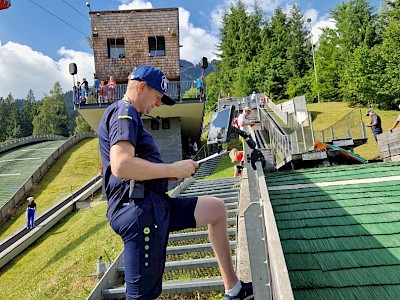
[{"x": 313, "y": 57}]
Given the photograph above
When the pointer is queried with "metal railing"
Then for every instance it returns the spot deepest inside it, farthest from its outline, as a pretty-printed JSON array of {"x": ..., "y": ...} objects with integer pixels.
[
  {"x": 268, "y": 266},
  {"x": 176, "y": 89},
  {"x": 350, "y": 126},
  {"x": 284, "y": 144}
]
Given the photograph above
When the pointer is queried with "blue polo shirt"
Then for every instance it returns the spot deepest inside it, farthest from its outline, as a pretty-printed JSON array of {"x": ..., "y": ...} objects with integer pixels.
[{"x": 121, "y": 122}]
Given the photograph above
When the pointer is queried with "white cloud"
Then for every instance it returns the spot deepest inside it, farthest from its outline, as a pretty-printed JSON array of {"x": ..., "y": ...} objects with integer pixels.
[
  {"x": 317, "y": 24},
  {"x": 22, "y": 68},
  {"x": 36, "y": 71},
  {"x": 196, "y": 42},
  {"x": 135, "y": 4}
]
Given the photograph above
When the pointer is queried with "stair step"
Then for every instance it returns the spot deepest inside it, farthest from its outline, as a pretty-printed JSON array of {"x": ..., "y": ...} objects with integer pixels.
[
  {"x": 199, "y": 285},
  {"x": 173, "y": 287},
  {"x": 196, "y": 235},
  {"x": 192, "y": 264},
  {"x": 194, "y": 248},
  {"x": 213, "y": 186},
  {"x": 220, "y": 194},
  {"x": 186, "y": 264}
]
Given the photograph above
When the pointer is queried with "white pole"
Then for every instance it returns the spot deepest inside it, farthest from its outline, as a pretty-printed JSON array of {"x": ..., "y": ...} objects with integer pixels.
[{"x": 313, "y": 56}]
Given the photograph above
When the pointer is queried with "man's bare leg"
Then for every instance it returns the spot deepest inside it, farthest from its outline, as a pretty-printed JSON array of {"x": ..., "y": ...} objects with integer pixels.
[{"x": 211, "y": 211}]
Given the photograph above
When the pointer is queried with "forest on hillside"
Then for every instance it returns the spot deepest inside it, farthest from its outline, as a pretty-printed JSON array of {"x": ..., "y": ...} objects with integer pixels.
[{"x": 356, "y": 62}]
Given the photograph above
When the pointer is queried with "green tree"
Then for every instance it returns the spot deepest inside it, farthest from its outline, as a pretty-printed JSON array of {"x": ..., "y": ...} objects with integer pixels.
[
  {"x": 363, "y": 75},
  {"x": 276, "y": 39},
  {"x": 52, "y": 117},
  {"x": 390, "y": 52},
  {"x": 355, "y": 27},
  {"x": 213, "y": 90},
  {"x": 239, "y": 46},
  {"x": 298, "y": 54},
  {"x": 81, "y": 125},
  {"x": 28, "y": 112},
  {"x": 11, "y": 127},
  {"x": 354, "y": 23},
  {"x": 329, "y": 65},
  {"x": 3, "y": 116}
]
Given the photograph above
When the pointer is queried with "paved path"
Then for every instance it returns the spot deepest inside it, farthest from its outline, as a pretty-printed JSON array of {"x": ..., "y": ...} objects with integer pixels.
[{"x": 17, "y": 165}]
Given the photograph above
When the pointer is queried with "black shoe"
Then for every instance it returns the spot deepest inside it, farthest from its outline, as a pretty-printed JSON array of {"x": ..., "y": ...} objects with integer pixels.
[{"x": 246, "y": 292}]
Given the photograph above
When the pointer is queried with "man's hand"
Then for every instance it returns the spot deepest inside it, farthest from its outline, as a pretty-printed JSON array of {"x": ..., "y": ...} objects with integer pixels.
[{"x": 184, "y": 168}]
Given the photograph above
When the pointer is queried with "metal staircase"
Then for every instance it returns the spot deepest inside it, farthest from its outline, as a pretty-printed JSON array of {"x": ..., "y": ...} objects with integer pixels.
[
  {"x": 191, "y": 266},
  {"x": 206, "y": 168}
]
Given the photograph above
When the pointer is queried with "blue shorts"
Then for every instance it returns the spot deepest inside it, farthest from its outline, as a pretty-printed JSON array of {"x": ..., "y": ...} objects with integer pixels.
[{"x": 144, "y": 225}]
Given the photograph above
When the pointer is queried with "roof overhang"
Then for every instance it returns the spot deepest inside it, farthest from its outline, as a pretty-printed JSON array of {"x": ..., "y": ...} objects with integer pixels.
[{"x": 189, "y": 112}]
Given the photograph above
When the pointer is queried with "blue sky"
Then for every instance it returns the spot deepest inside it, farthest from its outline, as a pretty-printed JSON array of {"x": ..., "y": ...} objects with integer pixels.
[{"x": 39, "y": 38}]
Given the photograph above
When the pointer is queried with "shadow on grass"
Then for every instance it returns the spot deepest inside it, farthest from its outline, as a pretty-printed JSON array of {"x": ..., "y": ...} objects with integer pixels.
[
  {"x": 314, "y": 114},
  {"x": 73, "y": 244}
]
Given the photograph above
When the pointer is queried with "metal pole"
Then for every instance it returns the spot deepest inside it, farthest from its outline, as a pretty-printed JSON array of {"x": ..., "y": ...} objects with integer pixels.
[{"x": 313, "y": 56}]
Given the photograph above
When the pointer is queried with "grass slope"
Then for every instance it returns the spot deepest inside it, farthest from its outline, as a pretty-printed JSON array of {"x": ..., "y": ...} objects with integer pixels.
[
  {"x": 323, "y": 117},
  {"x": 57, "y": 265},
  {"x": 77, "y": 166}
]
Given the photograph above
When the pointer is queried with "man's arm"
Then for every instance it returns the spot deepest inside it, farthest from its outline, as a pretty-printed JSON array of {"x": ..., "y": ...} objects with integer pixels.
[
  {"x": 394, "y": 125},
  {"x": 124, "y": 164}
]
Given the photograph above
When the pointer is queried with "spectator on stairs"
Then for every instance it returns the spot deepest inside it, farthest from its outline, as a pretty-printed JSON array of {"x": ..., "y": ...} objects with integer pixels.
[
  {"x": 243, "y": 118},
  {"x": 237, "y": 156}
]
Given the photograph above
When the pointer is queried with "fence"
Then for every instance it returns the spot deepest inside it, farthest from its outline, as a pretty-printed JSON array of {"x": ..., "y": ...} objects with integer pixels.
[
  {"x": 176, "y": 90},
  {"x": 350, "y": 126}
]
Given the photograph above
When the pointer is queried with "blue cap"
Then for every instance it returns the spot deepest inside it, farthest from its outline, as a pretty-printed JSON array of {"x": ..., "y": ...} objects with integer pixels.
[
  {"x": 154, "y": 78},
  {"x": 369, "y": 112}
]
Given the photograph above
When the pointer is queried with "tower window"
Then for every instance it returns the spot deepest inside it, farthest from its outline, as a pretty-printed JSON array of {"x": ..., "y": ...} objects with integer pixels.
[
  {"x": 165, "y": 123},
  {"x": 156, "y": 46},
  {"x": 116, "y": 48},
  {"x": 155, "y": 125}
]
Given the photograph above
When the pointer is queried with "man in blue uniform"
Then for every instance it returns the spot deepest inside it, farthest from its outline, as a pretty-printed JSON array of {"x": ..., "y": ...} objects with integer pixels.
[{"x": 144, "y": 215}]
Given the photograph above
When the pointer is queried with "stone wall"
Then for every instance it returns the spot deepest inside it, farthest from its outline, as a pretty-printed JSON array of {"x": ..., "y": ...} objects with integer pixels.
[{"x": 169, "y": 140}]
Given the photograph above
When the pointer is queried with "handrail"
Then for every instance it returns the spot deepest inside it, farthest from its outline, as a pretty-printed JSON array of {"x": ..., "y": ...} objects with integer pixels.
[
  {"x": 278, "y": 285},
  {"x": 202, "y": 150},
  {"x": 284, "y": 144}
]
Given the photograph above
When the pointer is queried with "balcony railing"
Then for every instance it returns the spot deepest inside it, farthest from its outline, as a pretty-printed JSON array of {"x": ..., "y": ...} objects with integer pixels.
[{"x": 177, "y": 90}]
